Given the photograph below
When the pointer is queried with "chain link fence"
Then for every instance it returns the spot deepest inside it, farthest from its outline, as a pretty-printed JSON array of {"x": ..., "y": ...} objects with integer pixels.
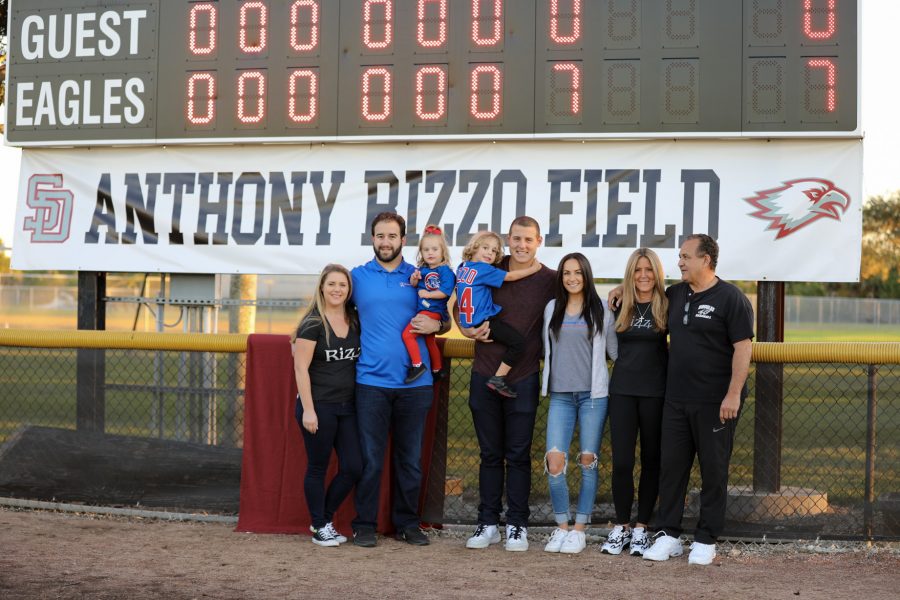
[{"x": 821, "y": 461}]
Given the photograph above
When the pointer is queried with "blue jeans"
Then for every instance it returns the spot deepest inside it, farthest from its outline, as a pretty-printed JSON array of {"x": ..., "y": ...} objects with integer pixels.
[
  {"x": 505, "y": 427},
  {"x": 565, "y": 409},
  {"x": 403, "y": 412}
]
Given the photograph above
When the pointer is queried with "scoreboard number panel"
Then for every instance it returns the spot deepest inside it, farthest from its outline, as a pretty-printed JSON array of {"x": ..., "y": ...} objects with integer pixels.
[{"x": 203, "y": 71}]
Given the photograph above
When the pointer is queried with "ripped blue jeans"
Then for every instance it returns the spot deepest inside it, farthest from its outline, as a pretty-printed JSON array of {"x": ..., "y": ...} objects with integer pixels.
[{"x": 567, "y": 408}]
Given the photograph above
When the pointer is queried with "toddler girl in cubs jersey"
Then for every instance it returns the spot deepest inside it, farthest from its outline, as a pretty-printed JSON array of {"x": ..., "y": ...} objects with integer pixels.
[
  {"x": 435, "y": 284},
  {"x": 475, "y": 277}
]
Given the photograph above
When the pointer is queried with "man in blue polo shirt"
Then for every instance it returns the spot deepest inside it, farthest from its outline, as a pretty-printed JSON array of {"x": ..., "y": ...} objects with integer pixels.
[{"x": 384, "y": 402}]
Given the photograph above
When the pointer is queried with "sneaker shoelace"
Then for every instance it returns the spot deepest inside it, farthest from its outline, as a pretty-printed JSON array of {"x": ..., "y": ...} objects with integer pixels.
[
  {"x": 480, "y": 530},
  {"x": 330, "y": 530},
  {"x": 325, "y": 533},
  {"x": 516, "y": 532}
]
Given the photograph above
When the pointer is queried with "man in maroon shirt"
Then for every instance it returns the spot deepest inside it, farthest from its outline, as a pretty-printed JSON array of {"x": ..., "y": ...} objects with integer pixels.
[{"x": 505, "y": 426}]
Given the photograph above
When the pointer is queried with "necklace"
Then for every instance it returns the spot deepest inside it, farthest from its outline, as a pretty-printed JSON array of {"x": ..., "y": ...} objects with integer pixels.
[{"x": 640, "y": 320}]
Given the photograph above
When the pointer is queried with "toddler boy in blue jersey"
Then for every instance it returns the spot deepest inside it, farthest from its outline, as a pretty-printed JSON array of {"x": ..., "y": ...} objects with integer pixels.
[
  {"x": 434, "y": 281},
  {"x": 475, "y": 277}
]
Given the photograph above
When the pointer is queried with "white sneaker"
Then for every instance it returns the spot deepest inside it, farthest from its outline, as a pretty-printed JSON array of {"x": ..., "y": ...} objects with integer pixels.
[
  {"x": 664, "y": 547},
  {"x": 556, "y": 540},
  {"x": 640, "y": 541},
  {"x": 616, "y": 541},
  {"x": 484, "y": 536},
  {"x": 334, "y": 532},
  {"x": 574, "y": 542},
  {"x": 517, "y": 538},
  {"x": 701, "y": 554}
]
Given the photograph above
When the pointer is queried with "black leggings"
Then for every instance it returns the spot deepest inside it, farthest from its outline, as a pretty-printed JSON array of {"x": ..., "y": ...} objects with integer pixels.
[
  {"x": 338, "y": 432},
  {"x": 627, "y": 415},
  {"x": 510, "y": 337}
]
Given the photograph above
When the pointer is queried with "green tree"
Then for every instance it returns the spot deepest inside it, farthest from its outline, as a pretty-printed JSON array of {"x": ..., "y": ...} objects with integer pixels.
[{"x": 881, "y": 237}]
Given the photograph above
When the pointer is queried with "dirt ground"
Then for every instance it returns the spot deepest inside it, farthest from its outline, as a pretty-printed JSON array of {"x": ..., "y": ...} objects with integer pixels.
[{"x": 69, "y": 556}]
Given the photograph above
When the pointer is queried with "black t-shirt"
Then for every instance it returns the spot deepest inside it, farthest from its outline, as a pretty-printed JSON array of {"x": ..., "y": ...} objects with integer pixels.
[
  {"x": 332, "y": 371},
  {"x": 700, "y": 352},
  {"x": 640, "y": 369}
]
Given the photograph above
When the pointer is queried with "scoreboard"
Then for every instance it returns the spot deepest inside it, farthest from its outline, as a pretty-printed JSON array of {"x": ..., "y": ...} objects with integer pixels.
[{"x": 85, "y": 72}]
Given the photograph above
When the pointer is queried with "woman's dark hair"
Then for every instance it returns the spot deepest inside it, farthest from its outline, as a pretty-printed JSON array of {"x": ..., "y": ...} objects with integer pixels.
[{"x": 592, "y": 308}]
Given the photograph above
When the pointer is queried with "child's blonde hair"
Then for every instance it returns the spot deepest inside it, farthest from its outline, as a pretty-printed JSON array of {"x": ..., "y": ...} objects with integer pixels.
[
  {"x": 477, "y": 240},
  {"x": 433, "y": 231}
]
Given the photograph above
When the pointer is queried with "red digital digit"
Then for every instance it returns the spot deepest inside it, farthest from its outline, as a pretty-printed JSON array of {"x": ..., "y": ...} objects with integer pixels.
[
  {"x": 310, "y": 19},
  {"x": 387, "y": 22},
  {"x": 422, "y": 18},
  {"x": 493, "y": 91},
  {"x": 253, "y": 43},
  {"x": 830, "y": 104},
  {"x": 251, "y": 91},
  {"x": 206, "y": 81},
  {"x": 200, "y": 12},
  {"x": 440, "y": 77},
  {"x": 830, "y": 25},
  {"x": 495, "y": 21},
  {"x": 573, "y": 31},
  {"x": 303, "y": 83},
  {"x": 465, "y": 304},
  {"x": 367, "y": 93},
  {"x": 574, "y": 73}
]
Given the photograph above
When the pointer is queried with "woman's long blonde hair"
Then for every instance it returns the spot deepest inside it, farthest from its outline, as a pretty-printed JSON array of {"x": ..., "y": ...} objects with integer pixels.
[
  {"x": 658, "y": 302},
  {"x": 315, "y": 311},
  {"x": 469, "y": 251}
]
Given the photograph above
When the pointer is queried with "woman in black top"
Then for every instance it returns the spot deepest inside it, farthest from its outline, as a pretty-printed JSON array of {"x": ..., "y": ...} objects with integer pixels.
[
  {"x": 636, "y": 393},
  {"x": 326, "y": 347}
]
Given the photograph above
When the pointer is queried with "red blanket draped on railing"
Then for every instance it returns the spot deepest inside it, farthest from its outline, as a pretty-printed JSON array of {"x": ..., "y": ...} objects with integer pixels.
[{"x": 274, "y": 460}]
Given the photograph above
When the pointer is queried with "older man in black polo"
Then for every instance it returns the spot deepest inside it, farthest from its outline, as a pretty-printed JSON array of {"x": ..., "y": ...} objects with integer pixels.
[{"x": 710, "y": 329}]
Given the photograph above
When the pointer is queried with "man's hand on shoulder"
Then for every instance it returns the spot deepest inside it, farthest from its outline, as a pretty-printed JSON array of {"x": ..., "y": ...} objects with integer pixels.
[{"x": 615, "y": 296}]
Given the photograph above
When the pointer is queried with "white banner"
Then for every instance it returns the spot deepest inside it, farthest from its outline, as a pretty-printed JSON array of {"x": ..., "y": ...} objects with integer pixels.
[{"x": 781, "y": 210}]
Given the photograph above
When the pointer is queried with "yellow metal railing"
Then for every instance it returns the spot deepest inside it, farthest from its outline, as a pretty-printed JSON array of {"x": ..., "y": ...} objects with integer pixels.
[{"x": 765, "y": 352}]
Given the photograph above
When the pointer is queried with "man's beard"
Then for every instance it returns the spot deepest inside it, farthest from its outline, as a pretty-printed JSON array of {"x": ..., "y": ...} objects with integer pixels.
[{"x": 393, "y": 253}]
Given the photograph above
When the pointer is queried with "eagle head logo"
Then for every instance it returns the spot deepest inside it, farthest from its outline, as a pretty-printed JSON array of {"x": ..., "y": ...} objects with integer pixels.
[{"x": 797, "y": 203}]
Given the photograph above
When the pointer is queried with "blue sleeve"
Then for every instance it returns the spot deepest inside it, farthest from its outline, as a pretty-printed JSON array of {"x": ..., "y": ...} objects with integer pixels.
[
  {"x": 490, "y": 275},
  {"x": 448, "y": 279}
]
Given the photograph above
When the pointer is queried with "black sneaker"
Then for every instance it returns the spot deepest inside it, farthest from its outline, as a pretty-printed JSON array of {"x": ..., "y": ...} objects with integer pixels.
[
  {"x": 364, "y": 538},
  {"x": 414, "y": 372},
  {"x": 324, "y": 537},
  {"x": 413, "y": 535},
  {"x": 498, "y": 384},
  {"x": 438, "y": 375}
]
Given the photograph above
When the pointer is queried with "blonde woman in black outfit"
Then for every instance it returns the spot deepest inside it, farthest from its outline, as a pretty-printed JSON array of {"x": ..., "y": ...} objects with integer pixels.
[
  {"x": 326, "y": 348},
  {"x": 636, "y": 393}
]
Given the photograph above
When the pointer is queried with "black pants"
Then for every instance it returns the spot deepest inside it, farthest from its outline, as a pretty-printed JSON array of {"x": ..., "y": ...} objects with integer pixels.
[
  {"x": 627, "y": 416},
  {"x": 689, "y": 429},
  {"x": 510, "y": 337},
  {"x": 337, "y": 431},
  {"x": 505, "y": 428}
]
